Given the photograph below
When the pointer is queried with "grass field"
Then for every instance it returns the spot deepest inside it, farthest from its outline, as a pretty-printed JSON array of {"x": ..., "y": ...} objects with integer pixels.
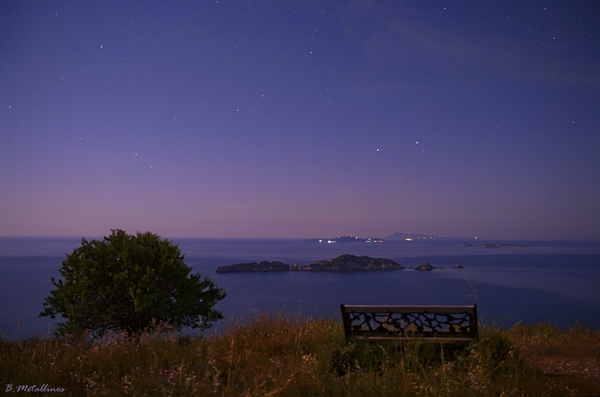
[{"x": 280, "y": 354}]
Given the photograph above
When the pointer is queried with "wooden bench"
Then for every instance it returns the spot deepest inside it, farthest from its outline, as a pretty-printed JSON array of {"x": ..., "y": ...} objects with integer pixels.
[{"x": 447, "y": 323}]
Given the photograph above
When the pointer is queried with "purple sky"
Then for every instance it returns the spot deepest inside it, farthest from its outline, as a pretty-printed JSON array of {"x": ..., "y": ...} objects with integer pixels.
[{"x": 299, "y": 119}]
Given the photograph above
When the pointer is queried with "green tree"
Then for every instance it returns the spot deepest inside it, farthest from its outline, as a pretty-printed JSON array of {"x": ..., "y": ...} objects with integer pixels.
[{"x": 123, "y": 282}]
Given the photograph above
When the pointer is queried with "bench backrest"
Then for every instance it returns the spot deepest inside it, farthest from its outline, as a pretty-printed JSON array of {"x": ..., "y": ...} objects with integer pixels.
[{"x": 455, "y": 323}]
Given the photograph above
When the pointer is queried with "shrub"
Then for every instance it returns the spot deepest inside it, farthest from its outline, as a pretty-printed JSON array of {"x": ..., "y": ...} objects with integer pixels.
[{"x": 127, "y": 282}]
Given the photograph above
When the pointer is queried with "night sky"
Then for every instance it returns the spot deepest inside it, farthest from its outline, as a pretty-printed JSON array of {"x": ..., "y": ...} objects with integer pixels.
[{"x": 300, "y": 119}]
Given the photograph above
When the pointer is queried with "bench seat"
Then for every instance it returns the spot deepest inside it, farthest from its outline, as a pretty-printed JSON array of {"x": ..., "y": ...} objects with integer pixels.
[{"x": 442, "y": 323}]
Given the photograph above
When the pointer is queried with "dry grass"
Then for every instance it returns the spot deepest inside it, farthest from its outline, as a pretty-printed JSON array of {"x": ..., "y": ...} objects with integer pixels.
[{"x": 281, "y": 354}]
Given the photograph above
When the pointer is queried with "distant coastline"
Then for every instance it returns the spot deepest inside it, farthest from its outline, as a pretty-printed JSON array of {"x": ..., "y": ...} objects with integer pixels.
[
  {"x": 344, "y": 239},
  {"x": 495, "y": 245},
  {"x": 393, "y": 237}
]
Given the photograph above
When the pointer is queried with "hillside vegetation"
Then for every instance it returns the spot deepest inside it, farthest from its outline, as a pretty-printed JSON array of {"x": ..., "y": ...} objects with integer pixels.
[{"x": 281, "y": 354}]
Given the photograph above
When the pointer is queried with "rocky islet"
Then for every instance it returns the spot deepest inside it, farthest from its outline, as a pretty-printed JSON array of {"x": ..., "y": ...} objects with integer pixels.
[{"x": 342, "y": 263}]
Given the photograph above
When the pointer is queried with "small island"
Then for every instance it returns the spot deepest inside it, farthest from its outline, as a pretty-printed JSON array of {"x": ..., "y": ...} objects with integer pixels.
[
  {"x": 502, "y": 245},
  {"x": 253, "y": 267},
  {"x": 424, "y": 266},
  {"x": 343, "y": 263},
  {"x": 351, "y": 263}
]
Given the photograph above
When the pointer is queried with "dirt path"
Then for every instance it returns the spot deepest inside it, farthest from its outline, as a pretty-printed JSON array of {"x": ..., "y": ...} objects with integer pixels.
[{"x": 578, "y": 376}]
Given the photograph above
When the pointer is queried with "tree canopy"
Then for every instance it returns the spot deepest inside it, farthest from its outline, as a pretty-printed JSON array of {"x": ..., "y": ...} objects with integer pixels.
[{"x": 125, "y": 282}]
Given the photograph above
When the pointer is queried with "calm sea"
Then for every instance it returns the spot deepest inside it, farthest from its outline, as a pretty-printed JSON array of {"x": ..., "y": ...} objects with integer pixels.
[{"x": 555, "y": 282}]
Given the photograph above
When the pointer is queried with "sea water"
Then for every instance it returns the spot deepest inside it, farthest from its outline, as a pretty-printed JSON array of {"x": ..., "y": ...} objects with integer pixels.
[{"x": 554, "y": 282}]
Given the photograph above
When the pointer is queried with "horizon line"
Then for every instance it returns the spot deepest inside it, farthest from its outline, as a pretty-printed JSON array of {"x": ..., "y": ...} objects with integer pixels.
[{"x": 311, "y": 238}]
